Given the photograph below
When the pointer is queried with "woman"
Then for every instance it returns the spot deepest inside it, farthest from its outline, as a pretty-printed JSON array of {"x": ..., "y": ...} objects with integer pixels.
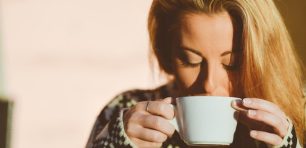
[{"x": 235, "y": 48}]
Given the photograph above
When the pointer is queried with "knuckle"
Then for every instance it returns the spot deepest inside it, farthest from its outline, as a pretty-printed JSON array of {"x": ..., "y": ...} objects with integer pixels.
[
  {"x": 129, "y": 129},
  {"x": 260, "y": 104},
  {"x": 158, "y": 137},
  {"x": 148, "y": 119},
  {"x": 135, "y": 141},
  {"x": 172, "y": 111},
  {"x": 169, "y": 112},
  {"x": 172, "y": 130},
  {"x": 283, "y": 133},
  {"x": 261, "y": 116},
  {"x": 151, "y": 121},
  {"x": 155, "y": 137},
  {"x": 258, "y": 116},
  {"x": 279, "y": 123},
  {"x": 277, "y": 108},
  {"x": 157, "y": 122},
  {"x": 169, "y": 129},
  {"x": 164, "y": 108},
  {"x": 160, "y": 108},
  {"x": 163, "y": 137},
  {"x": 255, "y": 102},
  {"x": 166, "y": 111},
  {"x": 139, "y": 106},
  {"x": 134, "y": 116},
  {"x": 276, "y": 141},
  {"x": 283, "y": 114}
]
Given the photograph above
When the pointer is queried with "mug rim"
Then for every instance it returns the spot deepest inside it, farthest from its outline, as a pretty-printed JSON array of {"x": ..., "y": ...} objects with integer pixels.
[{"x": 215, "y": 97}]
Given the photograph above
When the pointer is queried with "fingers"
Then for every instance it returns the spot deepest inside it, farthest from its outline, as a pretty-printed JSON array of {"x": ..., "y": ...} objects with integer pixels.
[
  {"x": 137, "y": 130},
  {"x": 152, "y": 122},
  {"x": 244, "y": 119},
  {"x": 269, "y": 119},
  {"x": 158, "y": 123},
  {"x": 237, "y": 105},
  {"x": 161, "y": 108},
  {"x": 263, "y": 121},
  {"x": 262, "y": 111},
  {"x": 266, "y": 137},
  {"x": 152, "y": 135},
  {"x": 260, "y": 104},
  {"x": 149, "y": 127},
  {"x": 146, "y": 134}
]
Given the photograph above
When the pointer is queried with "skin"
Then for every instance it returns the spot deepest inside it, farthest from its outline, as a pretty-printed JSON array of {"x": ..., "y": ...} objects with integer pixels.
[{"x": 203, "y": 66}]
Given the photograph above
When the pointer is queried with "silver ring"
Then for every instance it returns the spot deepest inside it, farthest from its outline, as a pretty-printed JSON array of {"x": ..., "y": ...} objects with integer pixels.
[{"x": 147, "y": 106}]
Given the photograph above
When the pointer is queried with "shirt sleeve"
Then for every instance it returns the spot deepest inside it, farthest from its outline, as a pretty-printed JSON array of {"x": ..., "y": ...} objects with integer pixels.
[
  {"x": 290, "y": 140},
  {"x": 108, "y": 130}
]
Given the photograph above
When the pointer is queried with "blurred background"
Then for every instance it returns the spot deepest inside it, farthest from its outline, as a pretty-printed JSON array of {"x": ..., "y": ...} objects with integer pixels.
[{"x": 63, "y": 60}]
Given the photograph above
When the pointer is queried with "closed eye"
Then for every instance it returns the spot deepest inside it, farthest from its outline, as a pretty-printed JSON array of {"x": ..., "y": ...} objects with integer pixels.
[
  {"x": 229, "y": 61},
  {"x": 188, "y": 58}
]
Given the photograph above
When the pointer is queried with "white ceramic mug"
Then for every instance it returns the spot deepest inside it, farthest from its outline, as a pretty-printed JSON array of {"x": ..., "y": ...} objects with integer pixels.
[{"x": 205, "y": 120}]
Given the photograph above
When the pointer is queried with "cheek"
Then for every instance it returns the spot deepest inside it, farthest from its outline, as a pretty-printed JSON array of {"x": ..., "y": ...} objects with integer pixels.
[
  {"x": 222, "y": 82},
  {"x": 227, "y": 84},
  {"x": 234, "y": 85},
  {"x": 187, "y": 76}
]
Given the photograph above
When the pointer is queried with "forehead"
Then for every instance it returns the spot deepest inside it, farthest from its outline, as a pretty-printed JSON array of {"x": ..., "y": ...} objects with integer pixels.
[{"x": 203, "y": 31}]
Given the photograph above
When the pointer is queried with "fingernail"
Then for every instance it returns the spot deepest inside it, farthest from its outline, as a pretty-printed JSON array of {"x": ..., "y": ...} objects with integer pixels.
[
  {"x": 252, "y": 113},
  {"x": 246, "y": 101},
  {"x": 253, "y": 133}
]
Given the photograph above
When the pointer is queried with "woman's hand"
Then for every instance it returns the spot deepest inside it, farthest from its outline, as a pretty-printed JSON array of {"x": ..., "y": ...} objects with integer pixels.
[
  {"x": 268, "y": 123},
  {"x": 147, "y": 125}
]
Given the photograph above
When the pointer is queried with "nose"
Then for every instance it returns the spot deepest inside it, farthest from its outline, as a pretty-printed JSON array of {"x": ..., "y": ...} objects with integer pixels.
[{"x": 210, "y": 79}]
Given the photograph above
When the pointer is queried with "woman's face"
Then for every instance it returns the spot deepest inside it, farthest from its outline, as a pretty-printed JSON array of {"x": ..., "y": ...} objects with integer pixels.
[{"x": 204, "y": 61}]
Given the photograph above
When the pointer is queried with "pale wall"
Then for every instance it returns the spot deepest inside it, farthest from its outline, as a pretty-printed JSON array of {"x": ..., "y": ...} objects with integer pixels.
[{"x": 64, "y": 59}]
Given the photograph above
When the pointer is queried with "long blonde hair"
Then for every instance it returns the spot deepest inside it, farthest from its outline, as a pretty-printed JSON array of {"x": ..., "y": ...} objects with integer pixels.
[{"x": 269, "y": 67}]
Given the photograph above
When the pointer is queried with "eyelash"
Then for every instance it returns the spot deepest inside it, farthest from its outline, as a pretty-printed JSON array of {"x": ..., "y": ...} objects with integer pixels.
[
  {"x": 188, "y": 64},
  {"x": 193, "y": 65},
  {"x": 229, "y": 67}
]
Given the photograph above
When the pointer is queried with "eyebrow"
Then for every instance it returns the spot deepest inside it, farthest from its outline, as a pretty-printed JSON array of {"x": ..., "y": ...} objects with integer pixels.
[
  {"x": 226, "y": 53},
  {"x": 192, "y": 50},
  {"x": 200, "y": 54}
]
